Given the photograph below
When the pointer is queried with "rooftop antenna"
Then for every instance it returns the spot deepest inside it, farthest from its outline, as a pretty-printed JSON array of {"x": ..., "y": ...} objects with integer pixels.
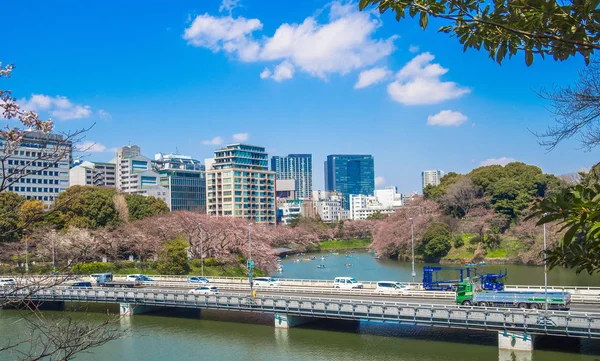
[{"x": 176, "y": 150}]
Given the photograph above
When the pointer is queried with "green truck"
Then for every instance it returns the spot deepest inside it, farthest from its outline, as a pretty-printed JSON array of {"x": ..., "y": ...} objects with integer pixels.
[{"x": 468, "y": 295}]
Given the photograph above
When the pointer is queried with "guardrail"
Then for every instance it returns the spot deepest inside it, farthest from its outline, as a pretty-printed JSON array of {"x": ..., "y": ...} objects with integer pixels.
[
  {"x": 318, "y": 290},
  {"x": 579, "y": 294},
  {"x": 559, "y": 323}
]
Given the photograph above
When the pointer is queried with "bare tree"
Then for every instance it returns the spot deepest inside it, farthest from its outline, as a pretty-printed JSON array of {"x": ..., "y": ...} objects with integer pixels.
[
  {"x": 61, "y": 338},
  {"x": 577, "y": 110},
  {"x": 461, "y": 197}
]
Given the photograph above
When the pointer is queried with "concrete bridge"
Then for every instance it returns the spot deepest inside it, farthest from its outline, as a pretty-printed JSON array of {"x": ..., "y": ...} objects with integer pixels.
[{"x": 516, "y": 328}]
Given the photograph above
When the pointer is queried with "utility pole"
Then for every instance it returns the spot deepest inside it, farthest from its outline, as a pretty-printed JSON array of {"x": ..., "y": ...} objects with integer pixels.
[
  {"x": 26, "y": 255},
  {"x": 545, "y": 273},
  {"x": 53, "y": 252},
  {"x": 412, "y": 242}
]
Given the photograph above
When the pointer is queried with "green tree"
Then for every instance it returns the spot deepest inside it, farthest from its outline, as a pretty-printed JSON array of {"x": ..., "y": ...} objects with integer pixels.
[
  {"x": 436, "y": 193},
  {"x": 435, "y": 242},
  {"x": 577, "y": 210},
  {"x": 592, "y": 177},
  {"x": 503, "y": 28},
  {"x": 141, "y": 207},
  {"x": 377, "y": 216},
  {"x": 174, "y": 259},
  {"x": 10, "y": 203},
  {"x": 86, "y": 207}
]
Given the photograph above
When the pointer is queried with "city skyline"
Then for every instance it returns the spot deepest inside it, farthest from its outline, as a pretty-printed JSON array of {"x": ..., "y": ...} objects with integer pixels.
[{"x": 283, "y": 102}]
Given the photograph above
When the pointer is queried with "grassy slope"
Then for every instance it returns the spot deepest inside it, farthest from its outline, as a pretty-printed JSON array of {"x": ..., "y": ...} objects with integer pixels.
[{"x": 345, "y": 244}]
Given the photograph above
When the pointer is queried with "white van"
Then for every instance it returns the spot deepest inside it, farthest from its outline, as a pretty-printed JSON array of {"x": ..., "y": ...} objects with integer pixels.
[
  {"x": 346, "y": 283},
  {"x": 7, "y": 282},
  {"x": 391, "y": 288}
]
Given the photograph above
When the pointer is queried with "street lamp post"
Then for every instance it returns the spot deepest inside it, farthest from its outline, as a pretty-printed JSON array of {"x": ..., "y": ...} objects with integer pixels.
[
  {"x": 201, "y": 249},
  {"x": 26, "y": 255},
  {"x": 412, "y": 242},
  {"x": 53, "y": 252},
  {"x": 250, "y": 261},
  {"x": 545, "y": 273}
]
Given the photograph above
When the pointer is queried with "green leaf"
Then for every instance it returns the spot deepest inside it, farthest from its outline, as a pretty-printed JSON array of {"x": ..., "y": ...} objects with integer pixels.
[
  {"x": 528, "y": 57},
  {"x": 423, "y": 20}
]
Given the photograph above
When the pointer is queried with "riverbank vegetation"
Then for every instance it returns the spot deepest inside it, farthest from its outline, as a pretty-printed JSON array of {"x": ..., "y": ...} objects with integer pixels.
[{"x": 359, "y": 243}]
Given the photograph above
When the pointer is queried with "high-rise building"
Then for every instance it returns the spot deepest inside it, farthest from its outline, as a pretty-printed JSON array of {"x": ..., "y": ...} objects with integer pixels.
[
  {"x": 297, "y": 167},
  {"x": 97, "y": 174},
  {"x": 350, "y": 174},
  {"x": 39, "y": 166},
  {"x": 241, "y": 185},
  {"x": 186, "y": 180},
  {"x": 432, "y": 177}
]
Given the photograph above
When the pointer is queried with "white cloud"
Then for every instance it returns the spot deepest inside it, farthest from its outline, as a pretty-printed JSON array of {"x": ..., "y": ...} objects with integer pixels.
[
  {"x": 241, "y": 137},
  {"x": 379, "y": 181},
  {"x": 418, "y": 82},
  {"x": 265, "y": 74},
  {"x": 91, "y": 147},
  {"x": 500, "y": 161},
  {"x": 225, "y": 34},
  {"x": 413, "y": 49},
  {"x": 447, "y": 118},
  {"x": 229, "y": 5},
  {"x": 214, "y": 141},
  {"x": 343, "y": 43},
  {"x": 59, "y": 107},
  {"x": 281, "y": 72},
  {"x": 104, "y": 114},
  {"x": 371, "y": 76}
]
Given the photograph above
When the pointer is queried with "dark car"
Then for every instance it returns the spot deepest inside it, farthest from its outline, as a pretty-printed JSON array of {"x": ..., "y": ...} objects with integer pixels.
[{"x": 82, "y": 285}]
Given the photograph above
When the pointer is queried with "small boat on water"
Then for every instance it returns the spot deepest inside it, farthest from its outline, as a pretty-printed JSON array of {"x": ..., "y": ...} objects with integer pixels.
[
  {"x": 321, "y": 266},
  {"x": 470, "y": 264},
  {"x": 483, "y": 263},
  {"x": 348, "y": 264},
  {"x": 322, "y": 258},
  {"x": 335, "y": 254},
  {"x": 378, "y": 258},
  {"x": 307, "y": 259}
]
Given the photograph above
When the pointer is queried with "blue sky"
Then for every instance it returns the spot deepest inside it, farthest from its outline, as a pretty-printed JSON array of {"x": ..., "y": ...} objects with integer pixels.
[{"x": 186, "y": 76}]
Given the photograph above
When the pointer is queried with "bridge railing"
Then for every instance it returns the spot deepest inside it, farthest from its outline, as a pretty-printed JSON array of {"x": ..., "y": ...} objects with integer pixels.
[{"x": 559, "y": 323}]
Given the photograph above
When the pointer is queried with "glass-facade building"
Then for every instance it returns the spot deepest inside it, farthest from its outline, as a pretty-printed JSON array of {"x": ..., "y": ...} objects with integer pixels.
[
  {"x": 186, "y": 180},
  {"x": 239, "y": 184},
  {"x": 297, "y": 167},
  {"x": 350, "y": 174}
]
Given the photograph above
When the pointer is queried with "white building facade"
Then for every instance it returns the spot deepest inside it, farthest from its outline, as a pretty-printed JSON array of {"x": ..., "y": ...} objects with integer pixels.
[
  {"x": 98, "y": 174},
  {"x": 39, "y": 166},
  {"x": 431, "y": 177}
]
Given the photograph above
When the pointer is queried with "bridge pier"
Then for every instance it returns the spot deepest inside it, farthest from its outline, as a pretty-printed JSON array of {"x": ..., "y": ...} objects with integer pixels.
[
  {"x": 515, "y": 341},
  {"x": 129, "y": 309},
  {"x": 283, "y": 320}
]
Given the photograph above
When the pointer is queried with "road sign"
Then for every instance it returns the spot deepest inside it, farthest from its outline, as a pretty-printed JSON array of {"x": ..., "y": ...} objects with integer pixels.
[{"x": 250, "y": 263}]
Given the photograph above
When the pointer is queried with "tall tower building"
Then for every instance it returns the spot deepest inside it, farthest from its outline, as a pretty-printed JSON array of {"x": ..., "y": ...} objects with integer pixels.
[
  {"x": 297, "y": 167},
  {"x": 350, "y": 174},
  {"x": 239, "y": 184},
  {"x": 432, "y": 177}
]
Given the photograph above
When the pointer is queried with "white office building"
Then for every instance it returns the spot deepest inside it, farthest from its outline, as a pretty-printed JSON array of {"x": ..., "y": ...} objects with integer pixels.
[
  {"x": 362, "y": 206},
  {"x": 388, "y": 197},
  {"x": 332, "y": 208},
  {"x": 98, "y": 174},
  {"x": 432, "y": 177},
  {"x": 38, "y": 167}
]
